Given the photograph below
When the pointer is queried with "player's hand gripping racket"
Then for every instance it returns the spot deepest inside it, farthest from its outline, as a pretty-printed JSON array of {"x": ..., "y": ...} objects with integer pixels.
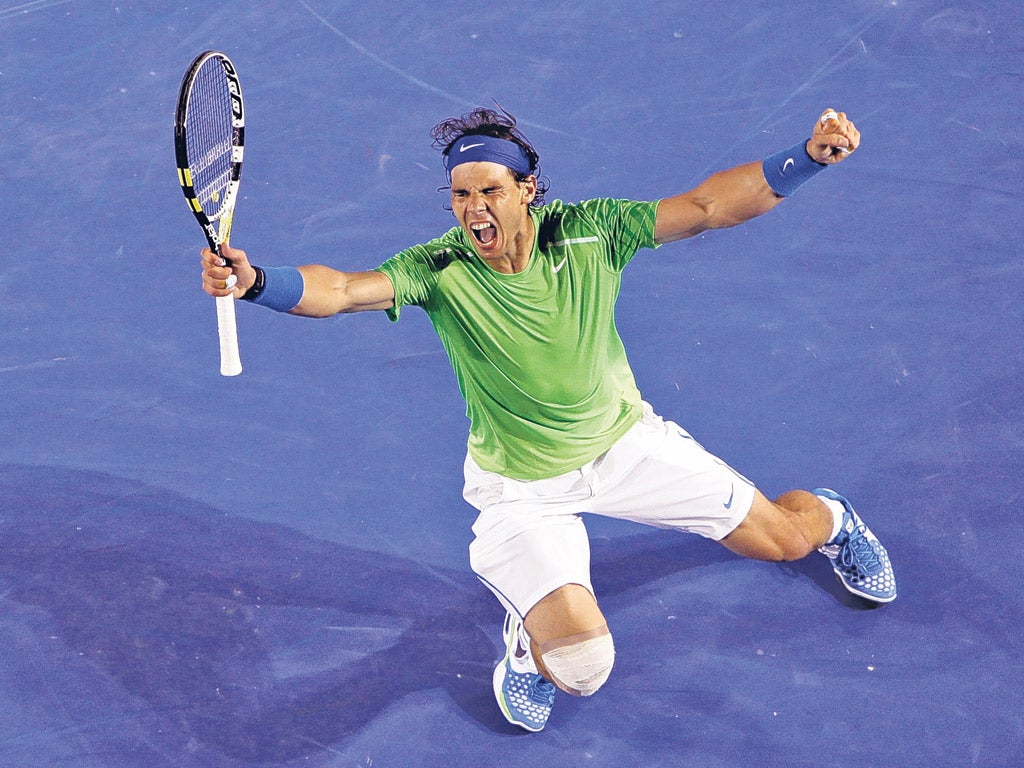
[{"x": 209, "y": 137}]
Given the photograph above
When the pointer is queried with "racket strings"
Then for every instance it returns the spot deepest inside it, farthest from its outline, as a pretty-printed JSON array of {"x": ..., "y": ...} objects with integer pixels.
[{"x": 209, "y": 137}]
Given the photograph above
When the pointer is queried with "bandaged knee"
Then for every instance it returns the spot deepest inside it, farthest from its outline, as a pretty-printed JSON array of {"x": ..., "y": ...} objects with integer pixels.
[{"x": 581, "y": 667}]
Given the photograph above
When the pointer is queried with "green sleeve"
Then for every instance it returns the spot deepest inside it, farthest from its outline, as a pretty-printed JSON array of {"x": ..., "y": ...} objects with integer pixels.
[{"x": 414, "y": 271}]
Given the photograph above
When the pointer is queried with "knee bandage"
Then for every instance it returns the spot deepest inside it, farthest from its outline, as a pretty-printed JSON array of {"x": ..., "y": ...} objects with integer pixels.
[{"x": 583, "y": 667}]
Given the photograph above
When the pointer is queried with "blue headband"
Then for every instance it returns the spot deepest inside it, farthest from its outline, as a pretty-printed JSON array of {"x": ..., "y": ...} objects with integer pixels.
[{"x": 488, "y": 149}]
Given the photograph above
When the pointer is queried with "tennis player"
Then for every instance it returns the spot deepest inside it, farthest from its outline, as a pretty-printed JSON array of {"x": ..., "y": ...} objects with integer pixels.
[{"x": 522, "y": 295}]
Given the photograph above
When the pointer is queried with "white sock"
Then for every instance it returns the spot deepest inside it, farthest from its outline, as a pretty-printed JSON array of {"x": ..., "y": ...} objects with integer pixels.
[{"x": 838, "y": 511}]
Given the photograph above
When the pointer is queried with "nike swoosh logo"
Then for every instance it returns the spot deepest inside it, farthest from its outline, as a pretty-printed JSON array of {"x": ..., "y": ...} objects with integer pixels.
[
  {"x": 789, "y": 161},
  {"x": 464, "y": 147},
  {"x": 558, "y": 267},
  {"x": 732, "y": 494}
]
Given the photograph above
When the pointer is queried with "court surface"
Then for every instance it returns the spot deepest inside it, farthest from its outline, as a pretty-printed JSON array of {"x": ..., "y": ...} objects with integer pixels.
[{"x": 271, "y": 570}]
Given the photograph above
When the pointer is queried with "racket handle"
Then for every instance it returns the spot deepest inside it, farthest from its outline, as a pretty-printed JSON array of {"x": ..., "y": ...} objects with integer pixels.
[{"x": 230, "y": 362}]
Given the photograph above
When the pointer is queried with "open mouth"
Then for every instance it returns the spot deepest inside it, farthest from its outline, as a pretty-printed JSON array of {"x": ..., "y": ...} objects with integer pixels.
[{"x": 484, "y": 232}]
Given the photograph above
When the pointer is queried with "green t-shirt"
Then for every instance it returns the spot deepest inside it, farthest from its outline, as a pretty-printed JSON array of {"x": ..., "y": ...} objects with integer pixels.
[{"x": 536, "y": 354}]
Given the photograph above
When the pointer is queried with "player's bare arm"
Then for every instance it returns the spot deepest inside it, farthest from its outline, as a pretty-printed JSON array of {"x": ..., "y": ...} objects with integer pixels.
[
  {"x": 326, "y": 291},
  {"x": 330, "y": 292},
  {"x": 742, "y": 193},
  {"x": 724, "y": 199}
]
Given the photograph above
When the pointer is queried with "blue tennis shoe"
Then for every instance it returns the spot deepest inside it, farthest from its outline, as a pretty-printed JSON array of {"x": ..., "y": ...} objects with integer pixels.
[
  {"x": 858, "y": 558},
  {"x": 524, "y": 696}
]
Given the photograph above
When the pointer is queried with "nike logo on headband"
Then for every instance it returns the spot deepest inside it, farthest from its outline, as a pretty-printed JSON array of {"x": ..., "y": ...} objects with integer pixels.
[{"x": 488, "y": 149}]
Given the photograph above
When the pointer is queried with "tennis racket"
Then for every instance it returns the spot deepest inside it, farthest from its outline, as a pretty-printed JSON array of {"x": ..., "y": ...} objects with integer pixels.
[{"x": 209, "y": 138}]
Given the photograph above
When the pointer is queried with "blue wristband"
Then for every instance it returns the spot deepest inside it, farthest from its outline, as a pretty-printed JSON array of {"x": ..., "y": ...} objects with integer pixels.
[
  {"x": 282, "y": 289},
  {"x": 785, "y": 171}
]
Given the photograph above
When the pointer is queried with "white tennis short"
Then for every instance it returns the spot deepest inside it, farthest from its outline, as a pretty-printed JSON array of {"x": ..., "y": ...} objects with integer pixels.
[{"x": 529, "y": 536}]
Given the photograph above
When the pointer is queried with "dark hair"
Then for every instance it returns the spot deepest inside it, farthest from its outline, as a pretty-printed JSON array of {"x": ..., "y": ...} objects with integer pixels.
[{"x": 488, "y": 122}]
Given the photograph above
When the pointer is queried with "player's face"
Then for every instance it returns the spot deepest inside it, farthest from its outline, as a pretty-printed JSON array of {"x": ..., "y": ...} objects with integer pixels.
[{"x": 493, "y": 209}]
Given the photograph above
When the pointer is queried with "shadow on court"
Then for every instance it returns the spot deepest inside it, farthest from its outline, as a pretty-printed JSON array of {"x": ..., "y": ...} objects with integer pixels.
[
  {"x": 240, "y": 638},
  {"x": 174, "y": 629}
]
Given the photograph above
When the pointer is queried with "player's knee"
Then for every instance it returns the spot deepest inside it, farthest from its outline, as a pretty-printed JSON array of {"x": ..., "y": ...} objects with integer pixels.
[{"x": 581, "y": 667}]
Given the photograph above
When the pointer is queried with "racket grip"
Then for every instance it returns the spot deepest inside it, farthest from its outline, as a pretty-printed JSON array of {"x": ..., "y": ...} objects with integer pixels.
[{"x": 230, "y": 361}]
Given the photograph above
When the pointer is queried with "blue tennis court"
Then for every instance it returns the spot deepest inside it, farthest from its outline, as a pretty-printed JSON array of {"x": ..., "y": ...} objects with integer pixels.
[{"x": 271, "y": 570}]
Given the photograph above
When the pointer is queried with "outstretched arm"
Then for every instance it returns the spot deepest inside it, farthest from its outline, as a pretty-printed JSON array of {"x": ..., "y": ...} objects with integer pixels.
[
  {"x": 322, "y": 292},
  {"x": 724, "y": 199},
  {"x": 739, "y": 194}
]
